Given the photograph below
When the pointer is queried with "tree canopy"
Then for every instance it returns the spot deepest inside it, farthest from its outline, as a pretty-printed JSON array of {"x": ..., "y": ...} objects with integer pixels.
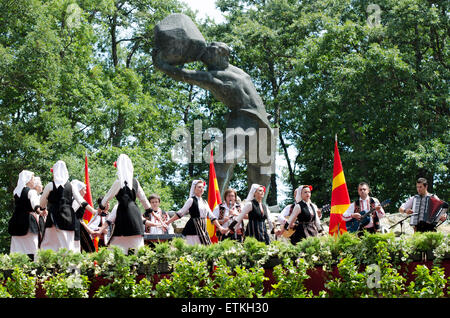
[{"x": 76, "y": 76}]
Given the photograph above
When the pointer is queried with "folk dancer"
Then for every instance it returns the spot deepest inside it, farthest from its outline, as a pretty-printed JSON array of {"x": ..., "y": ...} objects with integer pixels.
[
  {"x": 23, "y": 225},
  {"x": 195, "y": 229},
  {"x": 305, "y": 218},
  {"x": 58, "y": 197},
  {"x": 83, "y": 240},
  {"x": 128, "y": 220},
  {"x": 258, "y": 213}
]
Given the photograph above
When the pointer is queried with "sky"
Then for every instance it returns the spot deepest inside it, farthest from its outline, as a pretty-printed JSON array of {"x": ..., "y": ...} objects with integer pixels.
[{"x": 206, "y": 8}]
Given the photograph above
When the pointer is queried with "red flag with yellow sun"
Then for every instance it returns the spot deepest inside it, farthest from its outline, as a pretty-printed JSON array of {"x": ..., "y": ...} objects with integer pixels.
[
  {"x": 213, "y": 198},
  {"x": 340, "y": 199}
]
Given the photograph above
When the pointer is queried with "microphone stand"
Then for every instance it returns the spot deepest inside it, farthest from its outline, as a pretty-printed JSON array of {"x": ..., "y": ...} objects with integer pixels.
[{"x": 401, "y": 223}]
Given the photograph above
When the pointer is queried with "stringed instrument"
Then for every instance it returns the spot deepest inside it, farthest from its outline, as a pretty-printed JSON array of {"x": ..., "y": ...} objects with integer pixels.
[
  {"x": 288, "y": 233},
  {"x": 355, "y": 225}
]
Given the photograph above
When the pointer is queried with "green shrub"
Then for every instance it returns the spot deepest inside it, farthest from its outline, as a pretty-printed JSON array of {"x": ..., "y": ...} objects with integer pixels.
[
  {"x": 352, "y": 284},
  {"x": 21, "y": 285},
  {"x": 238, "y": 282},
  {"x": 290, "y": 280},
  {"x": 189, "y": 279},
  {"x": 426, "y": 284},
  {"x": 67, "y": 286}
]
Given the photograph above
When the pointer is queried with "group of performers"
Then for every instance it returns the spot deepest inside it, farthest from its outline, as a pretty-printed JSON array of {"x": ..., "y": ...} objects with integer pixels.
[{"x": 52, "y": 217}]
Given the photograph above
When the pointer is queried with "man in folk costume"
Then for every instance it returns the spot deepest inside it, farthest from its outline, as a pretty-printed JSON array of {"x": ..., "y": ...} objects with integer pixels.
[
  {"x": 23, "y": 225},
  {"x": 58, "y": 197},
  {"x": 418, "y": 207},
  {"x": 83, "y": 241},
  {"x": 195, "y": 229},
  {"x": 305, "y": 217},
  {"x": 365, "y": 203},
  {"x": 129, "y": 223},
  {"x": 258, "y": 213}
]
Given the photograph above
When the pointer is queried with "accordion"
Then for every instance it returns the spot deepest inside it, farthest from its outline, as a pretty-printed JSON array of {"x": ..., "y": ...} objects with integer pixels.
[{"x": 433, "y": 208}]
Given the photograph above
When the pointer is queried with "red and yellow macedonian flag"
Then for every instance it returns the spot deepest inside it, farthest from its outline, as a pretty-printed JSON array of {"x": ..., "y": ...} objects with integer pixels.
[
  {"x": 88, "y": 197},
  {"x": 340, "y": 199},
  {"x": 213, "y": 198}
]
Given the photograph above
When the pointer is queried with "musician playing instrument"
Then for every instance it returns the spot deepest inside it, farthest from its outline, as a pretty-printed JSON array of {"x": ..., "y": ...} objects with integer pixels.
[
  {"x": 305, "y": 217},
  {"x": 285, "y": 214},
  {"x": 365, "y": 203},
  {"x": 157, "y": 217},
  {"x": 418, "y": 207},
  {"x": 225, "y": 214}
]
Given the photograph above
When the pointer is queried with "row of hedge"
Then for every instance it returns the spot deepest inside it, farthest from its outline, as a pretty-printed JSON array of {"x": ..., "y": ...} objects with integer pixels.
[{"x": 368, "y": 266}]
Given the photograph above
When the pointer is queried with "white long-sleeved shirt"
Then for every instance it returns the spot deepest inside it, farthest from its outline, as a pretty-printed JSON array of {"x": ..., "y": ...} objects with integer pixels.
[
  {"x": 203, "y": 207},
  {"x": 49, "y": 187},
  {"x": 297, "y": 210},
  {"x": 248, "y": 206},
  {"x": 283, "y": 216},
  {"x": 34, "y": 198},
  {"x": 227, "y": 212},
  {"x": 364, "y": 206},
  {"x": 115, "y": 188}
]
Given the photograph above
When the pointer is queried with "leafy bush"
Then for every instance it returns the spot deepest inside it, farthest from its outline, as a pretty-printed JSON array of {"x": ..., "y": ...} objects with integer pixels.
[
  {"x": 67, "y": 286},
  {"x": 428, "y": 285},
  {"x": 190, "y": 279},
  {"x": 352, "y": 282},
  {"x": 290, "y": 280},
  {"x": 238, "y": 282},
  {"x": 21, "y": 285}
]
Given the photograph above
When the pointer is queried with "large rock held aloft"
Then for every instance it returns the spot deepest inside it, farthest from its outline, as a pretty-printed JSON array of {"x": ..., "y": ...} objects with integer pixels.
[{"x": 178, "y": 40}]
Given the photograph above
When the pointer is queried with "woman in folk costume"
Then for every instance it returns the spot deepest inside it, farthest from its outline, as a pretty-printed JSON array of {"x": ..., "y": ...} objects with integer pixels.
[
  {"x": 83, "y": 240},
  {"x": 226, "y": 212},
  {"x": 258, "y": 213},
  {"x": 195, "y": 229},
  {"x": 306, "y": 213},
  {"x": 42, "y": 217},
  {"x": 58, "y": 197},
  {"x": 129, "y": 223},
  {"x": 23, "y": 225}
]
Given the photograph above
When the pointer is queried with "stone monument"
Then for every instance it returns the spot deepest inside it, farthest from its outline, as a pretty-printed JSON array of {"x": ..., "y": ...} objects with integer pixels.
[{"x": 178, "y": 41}]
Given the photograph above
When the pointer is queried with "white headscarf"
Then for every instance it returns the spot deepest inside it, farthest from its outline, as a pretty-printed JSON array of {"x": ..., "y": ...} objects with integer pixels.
[
  {"x": 298, "y": 195},
  {"x": 60, "y": 173},
  {"x": 37, "y": 181},
  {"x": 194, "y": 183},
  {"x": 24, "y": 177},
  {"x": 253, "y": 189},
  {"x": 77, "y": 184},
  {"x": 125, "y": 171}
]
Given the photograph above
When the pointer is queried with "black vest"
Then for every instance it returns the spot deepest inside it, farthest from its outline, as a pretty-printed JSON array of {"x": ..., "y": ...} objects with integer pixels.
[
  {"x": 129, "y": 217},
  {"x": 256, "y": 226},
  {"x": 22, "y": 221},
  {"x": 194, "y": 212},
  {"x": 305, "y": 215},
  {"x": 60, "y": 211},
  {"x": 78, "y": 218}
]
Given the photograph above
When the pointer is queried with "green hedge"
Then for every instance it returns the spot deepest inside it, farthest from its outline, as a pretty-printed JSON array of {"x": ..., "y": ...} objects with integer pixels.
[{"x": 368, "y": 267}]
